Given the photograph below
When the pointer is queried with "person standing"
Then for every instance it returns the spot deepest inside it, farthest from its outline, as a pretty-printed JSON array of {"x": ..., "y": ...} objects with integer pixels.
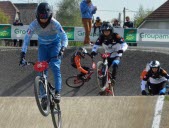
[
  {"x": 116, "y": 23},
  {"x": 17, "y": 23},
  {"x": 128, "y": 23},
  {"x": 97, "y": 24},
  {"x": 87, "y": 10}
]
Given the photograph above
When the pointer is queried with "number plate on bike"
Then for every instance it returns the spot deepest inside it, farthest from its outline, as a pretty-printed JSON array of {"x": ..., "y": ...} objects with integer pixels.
[
  {"x": 105, "y": 55},
  {"x": 40, "y": 66}
]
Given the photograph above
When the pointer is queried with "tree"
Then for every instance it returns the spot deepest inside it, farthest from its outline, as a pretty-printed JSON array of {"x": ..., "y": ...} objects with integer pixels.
[
  {"x": 141, "y": 15},
  {"x": 68, "y": 13},
  {"x": 4, "y": 19}
]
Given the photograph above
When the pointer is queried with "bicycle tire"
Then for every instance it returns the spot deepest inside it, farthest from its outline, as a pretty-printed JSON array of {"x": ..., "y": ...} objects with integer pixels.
[
  {"x": 74, "y": 82},
  {"x": 111, "y": 90},
  {"x": 56, "y": 115},
  {"x": 38, "y": 97},
  {"x": 101, "y": 81}
]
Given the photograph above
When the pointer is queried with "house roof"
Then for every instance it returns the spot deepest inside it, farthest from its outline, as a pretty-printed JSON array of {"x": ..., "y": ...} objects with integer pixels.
[
  {"x": 27, "y": 12},
  {"x": 160, "y": 13},
  {"x": 9, "y": 9}
]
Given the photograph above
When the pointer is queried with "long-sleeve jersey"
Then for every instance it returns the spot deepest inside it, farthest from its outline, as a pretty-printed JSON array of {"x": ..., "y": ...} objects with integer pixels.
[
  {"x": 86, "y": 10},
  {"x": 53, "y": 33},
  {"x": 111, "y": 44},
  {"x": 154, "y": 78},
  {"x": 76, "y": 61}
]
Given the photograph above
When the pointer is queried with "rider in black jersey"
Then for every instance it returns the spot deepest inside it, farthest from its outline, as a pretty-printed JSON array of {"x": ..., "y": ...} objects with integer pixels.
[{"x": 112, "y": 43}]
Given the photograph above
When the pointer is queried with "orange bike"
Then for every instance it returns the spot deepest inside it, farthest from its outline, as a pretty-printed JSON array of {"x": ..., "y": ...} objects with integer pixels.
[{"x": 76, "y": 81}]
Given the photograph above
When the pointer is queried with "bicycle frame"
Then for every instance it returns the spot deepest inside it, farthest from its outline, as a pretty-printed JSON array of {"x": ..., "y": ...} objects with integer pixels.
[
  {"x": 105, "y": 72},
  {"x": 41, "y": 67}
]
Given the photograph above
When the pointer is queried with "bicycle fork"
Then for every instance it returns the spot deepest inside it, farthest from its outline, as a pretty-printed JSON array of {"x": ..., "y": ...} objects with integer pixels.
[
  {"x": 43, "y": 88},
  {"x": 105, "y": 67}
]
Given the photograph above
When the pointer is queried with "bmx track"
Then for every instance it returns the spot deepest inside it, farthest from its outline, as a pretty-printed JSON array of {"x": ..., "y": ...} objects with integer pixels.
[{"x": 82, "y": 107}]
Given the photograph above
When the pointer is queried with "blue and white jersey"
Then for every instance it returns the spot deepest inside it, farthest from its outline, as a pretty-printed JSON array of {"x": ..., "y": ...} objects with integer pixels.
[
  {"x": 112, "y": 44},
  {"x": 52, "y": 34}
]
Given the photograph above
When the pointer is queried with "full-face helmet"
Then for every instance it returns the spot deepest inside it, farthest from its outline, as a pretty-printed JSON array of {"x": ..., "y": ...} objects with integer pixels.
[
  {"x": 44, "y": 11},
  {"x": 82, "y": 52},
  {"x": 154, "y": 64},
  {"x": 106, "y": 26}
]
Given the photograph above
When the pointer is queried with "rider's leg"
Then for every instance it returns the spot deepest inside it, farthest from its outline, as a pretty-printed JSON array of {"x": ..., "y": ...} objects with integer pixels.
[
  {"x": 115, "y": 64},
  {"x": 55, "y": 63},
  {"x": 83, "y": 75},
  {"x": 163, "y": 88},
  {"x": 156, "y": 88}
]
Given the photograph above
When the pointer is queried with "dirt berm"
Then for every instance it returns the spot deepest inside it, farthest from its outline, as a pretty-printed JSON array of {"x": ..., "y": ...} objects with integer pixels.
[{"x": 84, "y": 112}]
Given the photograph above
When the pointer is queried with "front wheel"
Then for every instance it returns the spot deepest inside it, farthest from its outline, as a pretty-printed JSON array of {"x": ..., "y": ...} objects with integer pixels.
[
  {"x": 56, "y": 115},
  {"x": 74, "y": 82},
  {"x": 38, "y": 87},
  {"x": 110, "y": 90},
  {"x": 101, "y": 78}
]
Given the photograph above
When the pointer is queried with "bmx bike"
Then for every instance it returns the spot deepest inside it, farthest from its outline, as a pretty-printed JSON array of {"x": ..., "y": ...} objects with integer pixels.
[
  {"x": 41, "y": 82},
  {"x": 76, "y": 82},
  {"x": 104, "y": 80}
]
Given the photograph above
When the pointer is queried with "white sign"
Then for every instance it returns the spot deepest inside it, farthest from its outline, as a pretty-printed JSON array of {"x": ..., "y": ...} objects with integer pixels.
[
  {"x": 153, "y": 35},
  {"x": 79, "y": 33},
  {"x": 18, "y": 32}
]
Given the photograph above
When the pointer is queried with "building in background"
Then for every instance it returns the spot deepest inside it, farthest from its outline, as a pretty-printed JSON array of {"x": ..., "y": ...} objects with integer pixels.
[
  {"x": 23, "y": 12},
  {"x": 158, "y": 19},
  {"x": 10, "y": 10}
]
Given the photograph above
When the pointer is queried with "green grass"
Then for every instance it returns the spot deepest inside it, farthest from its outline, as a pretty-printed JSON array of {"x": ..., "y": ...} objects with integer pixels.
[
  {"x": 166, "y": 98},
  {"x": 75, "y": 43}
]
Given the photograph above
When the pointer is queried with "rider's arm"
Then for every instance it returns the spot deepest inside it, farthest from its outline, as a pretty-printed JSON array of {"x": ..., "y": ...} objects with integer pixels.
[
  {"x": 144, "y": 72},
  {"x": 97, "y": 44},
  {"x": 144, "y": 81},
  {"x": 120, "y": 40},
  {"x": 28, "y": 36},
  {"x": 143, "y": 85},
  {"x": 62, "y": 34},
  {"x": 124, "y": 46},
  {"x": 78, "y": 65},
  {"x": 164, "y": 73}
]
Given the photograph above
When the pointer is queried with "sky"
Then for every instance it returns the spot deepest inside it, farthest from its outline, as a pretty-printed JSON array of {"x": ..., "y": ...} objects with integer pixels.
[{"x": 110, "y": 9}]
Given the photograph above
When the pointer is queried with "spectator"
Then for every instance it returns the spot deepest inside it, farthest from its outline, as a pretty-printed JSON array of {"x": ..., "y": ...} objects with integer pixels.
[
  {"x": 128, "y": 23},
  {"x": 87, "y": 10},
  {"x": 116, "y": 23},
  {"x": 17, "y": 23},
  {"x": 97, "y": 24}
]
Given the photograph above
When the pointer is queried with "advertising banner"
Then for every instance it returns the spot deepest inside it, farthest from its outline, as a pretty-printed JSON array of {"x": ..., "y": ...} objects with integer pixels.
[
  {"x": 80, "y": 34},
  {"x": 69, "y": 32},
  {"x": 18, "y": 32},
  {"x": 130, "y": 35},
  {"x": 156, "y": 35},
  {"x": 5, "y": 31}
]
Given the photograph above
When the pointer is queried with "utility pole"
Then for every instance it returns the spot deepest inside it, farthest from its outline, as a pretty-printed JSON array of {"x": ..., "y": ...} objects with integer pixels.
[{"x": 124, "y": 14}]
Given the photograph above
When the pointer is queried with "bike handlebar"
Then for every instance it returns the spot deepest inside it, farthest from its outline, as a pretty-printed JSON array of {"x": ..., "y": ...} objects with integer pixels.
[{"x": 33, "y": 63}]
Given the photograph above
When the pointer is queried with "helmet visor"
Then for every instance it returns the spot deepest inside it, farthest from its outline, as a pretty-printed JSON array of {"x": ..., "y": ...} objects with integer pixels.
[{"x": 43, "y": 16}]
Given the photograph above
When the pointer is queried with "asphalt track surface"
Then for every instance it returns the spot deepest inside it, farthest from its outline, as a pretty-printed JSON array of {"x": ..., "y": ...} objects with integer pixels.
[
  {"x": 81, "y": 107},
  {"x": 18, "y": 81}
]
